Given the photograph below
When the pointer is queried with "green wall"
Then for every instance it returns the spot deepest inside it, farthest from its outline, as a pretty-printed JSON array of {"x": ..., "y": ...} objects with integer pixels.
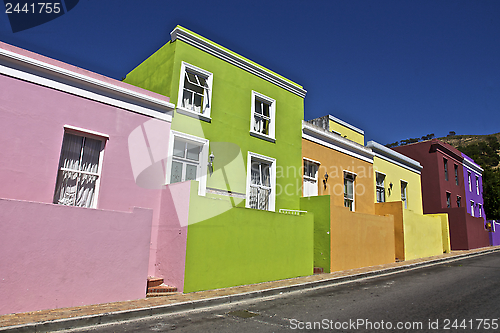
[
  {"x": 244, "y": 246},
  {"x": 320, "y": 206}
]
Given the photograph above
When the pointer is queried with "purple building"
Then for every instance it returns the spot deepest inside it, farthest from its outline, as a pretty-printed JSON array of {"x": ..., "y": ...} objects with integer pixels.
[{"x": 473, "y": 178}]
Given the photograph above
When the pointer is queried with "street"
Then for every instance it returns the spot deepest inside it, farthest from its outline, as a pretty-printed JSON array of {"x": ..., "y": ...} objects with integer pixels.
[{"x": 461, "y": 296}]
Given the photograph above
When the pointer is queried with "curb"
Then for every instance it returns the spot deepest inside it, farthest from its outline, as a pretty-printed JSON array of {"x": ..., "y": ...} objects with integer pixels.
[{"x": 141, "y": 313}]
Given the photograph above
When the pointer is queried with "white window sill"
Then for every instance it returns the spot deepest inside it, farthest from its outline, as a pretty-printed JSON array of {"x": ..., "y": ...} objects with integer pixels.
[
  {"x": 193, "y": 114},
  {"x": 310, "y": 178},
  {"x": 262, "y": 136}
]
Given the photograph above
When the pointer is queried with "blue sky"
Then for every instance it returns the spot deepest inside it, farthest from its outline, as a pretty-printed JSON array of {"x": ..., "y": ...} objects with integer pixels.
[{"x": 396, "y": 69}]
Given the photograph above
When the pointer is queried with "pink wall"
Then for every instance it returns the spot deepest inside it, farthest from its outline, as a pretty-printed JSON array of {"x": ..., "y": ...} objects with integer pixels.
[
  {"x": 56, "y": 256},
  {"x": 170, "y": 252},
  {"x": 32, "y": 120}
]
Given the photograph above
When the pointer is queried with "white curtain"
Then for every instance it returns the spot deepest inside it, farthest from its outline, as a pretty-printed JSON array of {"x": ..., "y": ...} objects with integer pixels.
[{"x": 73, "y": 187}]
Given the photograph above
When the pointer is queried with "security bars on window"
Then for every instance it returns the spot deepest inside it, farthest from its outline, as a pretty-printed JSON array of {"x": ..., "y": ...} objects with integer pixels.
[
  {"x": 78, "y": 171},
  {"x": 260, "y": 185}
]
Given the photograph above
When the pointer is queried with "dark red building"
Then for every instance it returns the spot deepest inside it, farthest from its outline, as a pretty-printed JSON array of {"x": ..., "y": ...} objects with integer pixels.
[{"x": 443, "y": 191}]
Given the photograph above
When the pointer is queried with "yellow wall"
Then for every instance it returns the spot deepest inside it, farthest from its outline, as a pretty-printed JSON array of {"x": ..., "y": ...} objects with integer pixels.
[
  {"x": 360, "y": 240},
  {"x": 423, "y": 235},
  {"x": 346, "y": 132},
  {"x": 445, "y": 231},
  {"x": 416, "y": 235},
  {"x": 334, "y": 163},
  {"x": 394, "y": 174}
]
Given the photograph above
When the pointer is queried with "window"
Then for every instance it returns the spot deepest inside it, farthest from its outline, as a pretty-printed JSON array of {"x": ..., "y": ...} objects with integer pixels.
[
  {"x": 310, "y": 184},
  {"x": 404, "y": 194},
  {"x": 261, "y": 182},
  {"x": 263, "y": 116},
  {"x": 349, "y": 190},
  {"x": 195, "y": 92},
  {"x": 448, "y": 199},
  {"x": 472, "y": 208},
  {"x": 456, "y": 174},
  {"x": 445, "y": 161},
  {"x": 459, "y": 201},
  {"x": 470, "y": 182},
  {"x": 477, "y": 185},
  {"x": 79, "y": 171},
  {"x": 480, "y": 207},
  {"x": 186, "y": 161},
  {"x": 380, "y": 179}
]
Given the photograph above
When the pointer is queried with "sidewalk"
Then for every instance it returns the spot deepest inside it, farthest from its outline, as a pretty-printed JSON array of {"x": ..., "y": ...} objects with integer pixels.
[{"x": 66, "y": 318}]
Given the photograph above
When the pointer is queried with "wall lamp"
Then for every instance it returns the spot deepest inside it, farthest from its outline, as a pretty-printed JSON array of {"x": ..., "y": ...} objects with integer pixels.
[
  {"x": 211, "y": 163},
  {"x": 390, "y": 188},
  {"x": 325, "y": 180}
]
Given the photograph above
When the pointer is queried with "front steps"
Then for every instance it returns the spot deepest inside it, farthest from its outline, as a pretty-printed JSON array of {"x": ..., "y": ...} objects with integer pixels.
[{"x": 157, "y": 288}]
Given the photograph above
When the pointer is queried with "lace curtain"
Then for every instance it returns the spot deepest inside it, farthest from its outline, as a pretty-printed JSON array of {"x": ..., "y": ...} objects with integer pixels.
[{"x": 78, "y": 171}]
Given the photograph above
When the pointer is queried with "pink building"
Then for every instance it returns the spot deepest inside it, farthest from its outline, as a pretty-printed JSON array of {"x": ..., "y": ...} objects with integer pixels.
[{"x": 81, "y": 168}]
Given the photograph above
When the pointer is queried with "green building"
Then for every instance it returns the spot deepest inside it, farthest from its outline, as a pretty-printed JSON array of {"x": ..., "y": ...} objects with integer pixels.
[{"x": 236, "y": 143}]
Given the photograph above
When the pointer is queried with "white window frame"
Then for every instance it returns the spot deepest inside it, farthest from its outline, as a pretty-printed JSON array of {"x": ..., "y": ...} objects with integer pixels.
[
  {"x": 448, "y": 199},
  {"x": 379, "y": 187},
  {"x": 472, "y": 208},
  {"x": 209, "y": 79},
  {"x": 480, "y": 207},
  {"x": 405, "y": 197},
  {"x": 258, "y": 157},
  {"x": 204, "y": 143},
  {"x": 477, "y": 184},
  {"x": 92, "y": 135},
  {"x": 311, "y": 179},
  {"x": 272, "y": 117},
  {"x": 455, "y": 166},
  {"x": 459, "y": 201},
  {"x": 470, "y": 181},
  {"x": 345, "y": 173}
]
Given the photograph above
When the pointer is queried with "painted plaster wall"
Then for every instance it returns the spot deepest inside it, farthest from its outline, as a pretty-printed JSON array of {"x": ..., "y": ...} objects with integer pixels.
[
  {"x": 466, "y": 232},
  {"x": 423, "y": 235},
  {"x": 320, "y": 206},
  {"x": 472, "y": 195},
  {"x": 346, "y": 132},
  {"x": 57, "y": 256},
  {"x": 416, "y": 235},
  {"x": 231, "y": 116},
  {"x": 170, "y": 247},
  {"x": 360, "y": 240},
  {"x": 394, "y": 174},
  {"x": 445, "y": 231},
  {"x": 29, "y": 168},
  {"x": 395, "y": 209},
  {"x": 494, "y": 235},
  {"x": 334, "y": 163},
  {"x": 243, "y": 246}
]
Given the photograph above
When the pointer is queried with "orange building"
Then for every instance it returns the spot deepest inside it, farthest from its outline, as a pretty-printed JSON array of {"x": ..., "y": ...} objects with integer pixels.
[{"x": 338, "y": 187}]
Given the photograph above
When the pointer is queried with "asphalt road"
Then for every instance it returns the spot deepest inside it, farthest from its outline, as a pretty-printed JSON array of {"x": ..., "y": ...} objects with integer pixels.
[{"x": 462, "y": 296}]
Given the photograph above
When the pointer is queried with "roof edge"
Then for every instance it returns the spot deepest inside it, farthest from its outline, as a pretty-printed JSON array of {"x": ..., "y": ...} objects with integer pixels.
[{"x": 235, "y": 59}]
